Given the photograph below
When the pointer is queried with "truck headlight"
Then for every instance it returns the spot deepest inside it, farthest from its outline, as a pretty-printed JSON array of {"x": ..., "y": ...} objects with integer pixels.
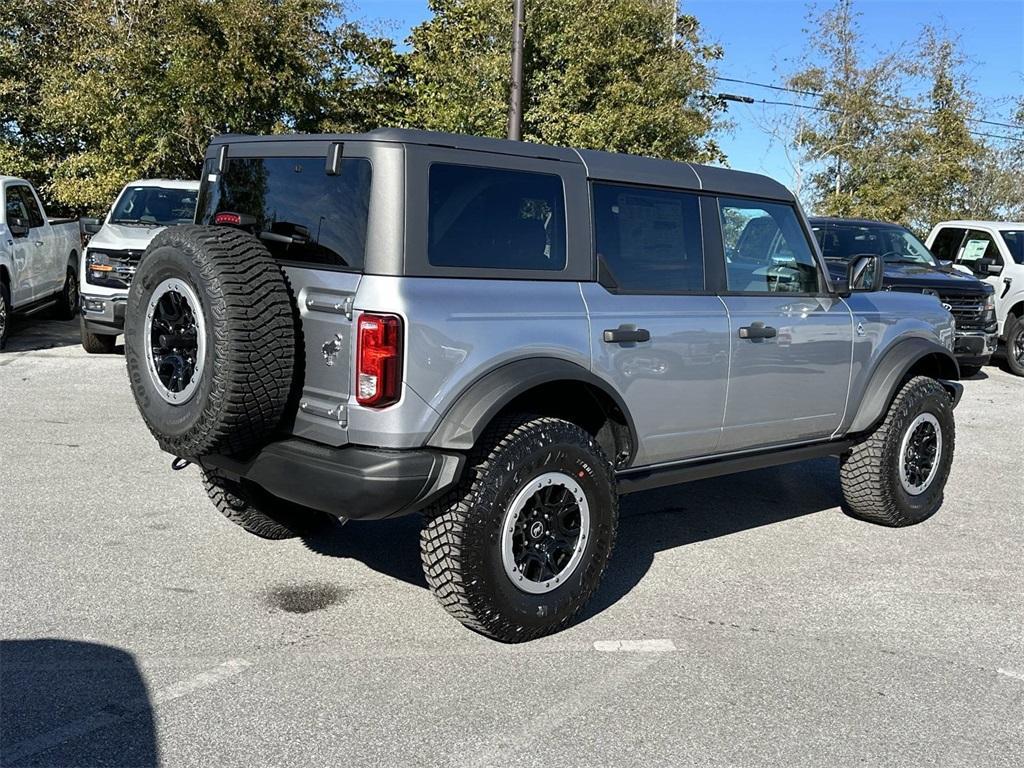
[
  {"x": 990, "y": 302},
  {"x": 97, "y": 264}
]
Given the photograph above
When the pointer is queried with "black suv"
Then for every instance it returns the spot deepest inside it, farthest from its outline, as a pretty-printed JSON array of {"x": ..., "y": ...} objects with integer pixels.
[{"x": 910, "y": 266}]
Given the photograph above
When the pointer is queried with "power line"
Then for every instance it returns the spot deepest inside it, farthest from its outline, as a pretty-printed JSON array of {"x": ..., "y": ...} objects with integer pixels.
[
  {"x": 818, "y": 95},
  {"x": 751, "y": 100}
]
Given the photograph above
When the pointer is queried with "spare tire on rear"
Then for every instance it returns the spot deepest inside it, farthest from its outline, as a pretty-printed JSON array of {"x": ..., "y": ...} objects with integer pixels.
[{"x": 210, "y": 339}]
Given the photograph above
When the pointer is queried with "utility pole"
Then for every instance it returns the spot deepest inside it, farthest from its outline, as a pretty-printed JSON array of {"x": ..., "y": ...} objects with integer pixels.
[{"x": 515, "y": 96}]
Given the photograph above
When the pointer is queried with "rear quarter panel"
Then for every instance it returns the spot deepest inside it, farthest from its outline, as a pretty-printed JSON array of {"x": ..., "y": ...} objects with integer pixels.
[{"x": 458, "y": 330}]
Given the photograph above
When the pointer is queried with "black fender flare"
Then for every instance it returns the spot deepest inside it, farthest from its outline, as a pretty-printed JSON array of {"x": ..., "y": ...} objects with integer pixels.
[
  {"x": 465, "y": 420},
  {"x": 890, "y": 371}
]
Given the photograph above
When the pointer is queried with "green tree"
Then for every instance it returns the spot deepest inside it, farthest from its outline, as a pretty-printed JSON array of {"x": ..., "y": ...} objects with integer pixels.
[
  {"x": 623, "y": 75},
  {"x": 111, "y": 91}
]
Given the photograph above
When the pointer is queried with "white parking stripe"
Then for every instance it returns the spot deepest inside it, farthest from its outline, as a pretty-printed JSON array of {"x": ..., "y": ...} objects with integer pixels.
[
  {"x": 123, "y": 710},
  {"x": 1011, "y": 673},
  {"x": 634, "y": 646}
]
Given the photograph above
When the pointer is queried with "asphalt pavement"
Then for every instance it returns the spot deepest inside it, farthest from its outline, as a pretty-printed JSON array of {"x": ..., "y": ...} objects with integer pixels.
[{"x": 744, "y": 621}]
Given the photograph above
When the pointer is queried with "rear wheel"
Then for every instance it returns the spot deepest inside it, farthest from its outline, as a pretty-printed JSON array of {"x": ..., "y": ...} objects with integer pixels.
[
  {"x": 897, "y": 476},
  {"x": 67, "y": 302},
  {"x": 96, "y": 343},
  {"x": 259, "y": 513},
  {"x": 520, "y": 546},
  {"x": 1015, "y": 344},
  {"x": 5, "y": 314}
]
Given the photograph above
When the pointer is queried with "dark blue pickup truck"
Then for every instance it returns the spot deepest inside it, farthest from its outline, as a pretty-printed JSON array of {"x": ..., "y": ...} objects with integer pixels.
[{"x": 910, "y": 266}]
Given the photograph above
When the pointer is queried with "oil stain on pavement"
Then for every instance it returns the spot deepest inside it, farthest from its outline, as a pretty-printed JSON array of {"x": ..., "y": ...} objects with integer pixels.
[{"x": 305, "y": 598}]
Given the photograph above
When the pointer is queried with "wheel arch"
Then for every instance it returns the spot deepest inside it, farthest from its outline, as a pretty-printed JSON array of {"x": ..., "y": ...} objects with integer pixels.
[
  {"x": 547, "y": 387},
  {"x": 903, "y": 361}
]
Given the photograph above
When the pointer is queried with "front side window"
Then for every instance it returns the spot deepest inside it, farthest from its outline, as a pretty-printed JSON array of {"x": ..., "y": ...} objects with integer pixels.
[
  {"x": 15, "y": 206},
  {"x": 649, "y": 239},
  {"x": 765, "y": 248},
  {"x": 491, "y": 218},
  {"x": 155, "y": 206},
  {"x": 947, "y": 243},
  {"x": 300, "y": 212},
  {"x": 21, "y": 204},
  {"x": 1014, "y": 239},
  {"x": 978, "y": 245}
]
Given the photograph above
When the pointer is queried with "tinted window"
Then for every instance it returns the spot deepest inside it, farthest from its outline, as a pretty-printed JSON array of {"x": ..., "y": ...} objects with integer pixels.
[
  {"x": 947, "y": 243},
  {"x": 21, "y": 203},
  {"x": 301, "y": 213},
  {"x": 490, "y": 218},
  {"x": 845, "y": 241},
  {"x": 1014, "y": 239},
  {"x": 649, "y": 239},
  {"x": 765, "y": 248},
  {"x": 155, "y": 205}
]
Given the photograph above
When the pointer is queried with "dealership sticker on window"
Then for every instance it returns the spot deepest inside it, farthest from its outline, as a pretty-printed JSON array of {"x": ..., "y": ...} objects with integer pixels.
[{"x": 974, "y": 249}]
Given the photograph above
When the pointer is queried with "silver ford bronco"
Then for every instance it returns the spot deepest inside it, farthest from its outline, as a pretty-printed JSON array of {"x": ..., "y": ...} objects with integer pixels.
[{"x": 506, "y": 337}]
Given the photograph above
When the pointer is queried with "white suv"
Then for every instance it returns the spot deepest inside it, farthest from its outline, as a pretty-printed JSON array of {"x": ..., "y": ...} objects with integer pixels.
[
  {"x": 142, "y": 210},
  {"x": 993, "y": 251}
]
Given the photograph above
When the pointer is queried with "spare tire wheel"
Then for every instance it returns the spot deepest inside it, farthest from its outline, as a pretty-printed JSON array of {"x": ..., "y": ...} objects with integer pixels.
[{"x": 210, "y": 339}]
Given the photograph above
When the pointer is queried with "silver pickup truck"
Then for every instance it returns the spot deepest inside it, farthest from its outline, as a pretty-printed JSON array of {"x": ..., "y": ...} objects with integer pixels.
[
  {"x": 38, "y": 256},
  {"x": 508, "y": 336}
]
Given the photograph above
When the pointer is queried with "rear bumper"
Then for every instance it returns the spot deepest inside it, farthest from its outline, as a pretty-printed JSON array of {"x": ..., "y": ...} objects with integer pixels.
[
  {"x": 103, "y": 314},
  {"x": 352, "y": 482},
  {"x": 975, "y": 347}
]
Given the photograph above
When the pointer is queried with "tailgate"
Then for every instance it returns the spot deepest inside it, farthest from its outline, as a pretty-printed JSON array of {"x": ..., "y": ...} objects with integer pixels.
[{"x": 325, "y": 306}]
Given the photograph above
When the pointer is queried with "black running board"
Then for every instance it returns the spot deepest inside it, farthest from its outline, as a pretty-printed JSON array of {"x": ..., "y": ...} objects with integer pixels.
[{"x": 645, "y": 478}]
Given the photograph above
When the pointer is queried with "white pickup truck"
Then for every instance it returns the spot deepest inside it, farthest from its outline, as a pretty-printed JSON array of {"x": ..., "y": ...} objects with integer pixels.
[
  {"x": 38, "y": 256},
  {"x": 992, "y": 251}
]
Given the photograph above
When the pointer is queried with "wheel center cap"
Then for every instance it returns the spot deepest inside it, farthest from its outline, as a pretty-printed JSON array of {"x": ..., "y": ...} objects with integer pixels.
[{"x": 537, "y": 529}]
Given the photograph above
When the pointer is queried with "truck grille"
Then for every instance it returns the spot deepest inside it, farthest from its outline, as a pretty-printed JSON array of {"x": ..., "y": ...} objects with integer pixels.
[
  {"x": 968, "y": 310},
  {"x": 124, "y": 264}
]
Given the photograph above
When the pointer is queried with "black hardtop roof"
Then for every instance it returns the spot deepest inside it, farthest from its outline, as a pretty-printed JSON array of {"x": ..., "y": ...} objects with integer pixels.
[
  {"x": 854, "y": 222},
  {"x": 599, "y": 165}
]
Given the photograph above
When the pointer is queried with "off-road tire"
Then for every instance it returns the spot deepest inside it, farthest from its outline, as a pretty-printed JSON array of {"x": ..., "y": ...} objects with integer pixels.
[
  {"x": 870, "y": 472},
  {"x": 460, "y": 542},
  {"x": 247, "y": 312},
  {"x": 966, "y": 371},
  {"x": 68, "y": 299},
  {"x": 1014, "y": 327},
  {"x": 257, "y": 512},
  {"x": 5, "y": 314},
  {"x": 96, "y": 343}
]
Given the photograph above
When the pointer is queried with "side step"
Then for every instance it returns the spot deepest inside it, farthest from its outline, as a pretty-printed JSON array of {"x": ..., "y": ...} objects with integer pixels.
[{"x": 645, "y": 478}]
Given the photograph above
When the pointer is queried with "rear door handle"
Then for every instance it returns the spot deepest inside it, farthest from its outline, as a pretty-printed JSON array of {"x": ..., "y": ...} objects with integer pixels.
[
  {"x": 758, "y": 330},
  {"x": 624, "y": 335}
]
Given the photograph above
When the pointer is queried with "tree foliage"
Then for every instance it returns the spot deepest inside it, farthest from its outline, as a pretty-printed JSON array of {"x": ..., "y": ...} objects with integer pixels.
[
  {"x": 891, "y": 137},
  {"x": 622, "y": 75}
]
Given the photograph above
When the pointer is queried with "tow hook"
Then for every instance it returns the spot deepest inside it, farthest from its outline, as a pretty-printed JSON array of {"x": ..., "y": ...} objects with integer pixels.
[{"x": 179, "y": 463}]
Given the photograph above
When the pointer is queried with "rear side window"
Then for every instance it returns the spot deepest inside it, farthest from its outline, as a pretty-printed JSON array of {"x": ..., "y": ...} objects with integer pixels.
[
  {"x": 649, "y": 239},
  {"x": 765, "y": 248},
  {"x": 492, "y": 218},
  {"x": 301, "y": 213},
  {"x": 947, "y": 243},
  {"x": 1014, "y": 239}
]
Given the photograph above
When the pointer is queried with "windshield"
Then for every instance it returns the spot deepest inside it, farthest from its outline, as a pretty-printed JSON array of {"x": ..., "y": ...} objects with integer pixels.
[
  {"x": 1014, "y": 239},
  {"x": 843, "y": 242},
  {"x": 155, "y": 206}
]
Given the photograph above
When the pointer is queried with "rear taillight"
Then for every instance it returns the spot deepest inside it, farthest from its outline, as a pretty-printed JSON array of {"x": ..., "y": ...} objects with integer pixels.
[{"x": 379, "y": 360}]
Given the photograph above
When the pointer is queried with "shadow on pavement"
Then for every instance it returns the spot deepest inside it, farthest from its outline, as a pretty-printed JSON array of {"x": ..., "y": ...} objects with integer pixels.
[
  {"x": 649, "y": 522},
  {"x": 69, "y": 703},
  {"x": 41, "y": 332}
]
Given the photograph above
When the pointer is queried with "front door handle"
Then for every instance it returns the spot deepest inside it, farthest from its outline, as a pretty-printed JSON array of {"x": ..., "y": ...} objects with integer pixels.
[
  {"x": 758, "y": 330},
  {"x": 39, "y": 243},
  {"x": 624, "y": 335}
]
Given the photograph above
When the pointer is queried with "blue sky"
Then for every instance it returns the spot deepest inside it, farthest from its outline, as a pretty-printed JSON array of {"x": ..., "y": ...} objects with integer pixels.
[{"x": 763, "y": 38}]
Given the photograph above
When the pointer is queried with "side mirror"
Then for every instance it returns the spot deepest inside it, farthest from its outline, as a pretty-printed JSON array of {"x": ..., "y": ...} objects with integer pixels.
[
  {"x": 865, "y": 273},
  {"x": 18, "y": 226},
  {"x": 988, "y": 267},
  {"x": 91, "y": 226}
]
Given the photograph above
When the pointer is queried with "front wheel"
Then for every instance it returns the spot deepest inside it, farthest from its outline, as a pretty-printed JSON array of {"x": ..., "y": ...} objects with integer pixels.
[
  {"x": 1015, "y": 344},
  {"x": 897, "y": 476},
  {"x": 96, "y": 343},
  {"x": 520, "y": 546}
]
